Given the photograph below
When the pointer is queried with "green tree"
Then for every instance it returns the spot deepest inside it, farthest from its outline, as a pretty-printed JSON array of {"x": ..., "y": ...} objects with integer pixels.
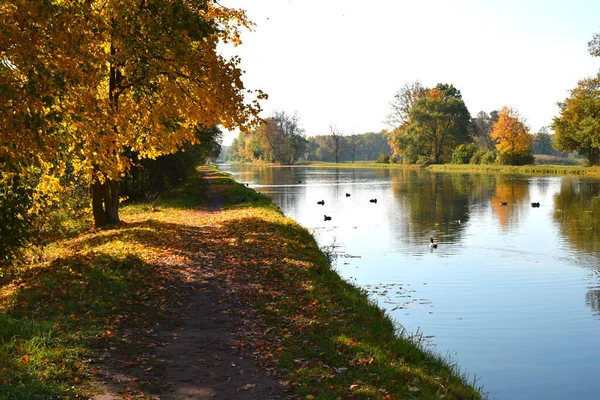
[
  {"x": 542, "y": 143},
  {"x": 480, "y": 128},
  {"x": 438, "y": 123},
  {"x": 577, "y": 128},
  {"x": 153, "y": 176},
  {"x": 463, "y": 153}
]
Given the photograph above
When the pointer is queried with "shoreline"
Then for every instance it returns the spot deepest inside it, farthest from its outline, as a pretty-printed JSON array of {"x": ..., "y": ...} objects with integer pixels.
[{"x": 541, "y": 169}]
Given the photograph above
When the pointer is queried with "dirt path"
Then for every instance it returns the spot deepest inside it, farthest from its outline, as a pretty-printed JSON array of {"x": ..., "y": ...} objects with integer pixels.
[{"x": 192, "y": 356}]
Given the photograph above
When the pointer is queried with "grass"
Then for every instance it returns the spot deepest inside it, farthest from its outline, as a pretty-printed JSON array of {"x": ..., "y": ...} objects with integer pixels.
[
  {"x": 323, "y": 334},
  {"x": 546, "y": 169},
  {"x": 542, "y": 168}
]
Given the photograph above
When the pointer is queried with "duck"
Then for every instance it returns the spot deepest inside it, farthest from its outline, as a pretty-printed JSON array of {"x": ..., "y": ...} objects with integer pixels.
[
  {"x": 373, "y": 200},
  {"x": 347, "y": 194},
  {"x": 326, "y": 218},
  {"x": 322, "y": 202},
  {"x": 432, "y": 244},
  {"x": 503, "y": 203},
  {"x": 535, "y": 204}
]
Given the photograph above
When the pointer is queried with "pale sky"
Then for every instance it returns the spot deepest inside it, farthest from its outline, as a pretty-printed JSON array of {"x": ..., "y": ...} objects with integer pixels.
[{"x": 341, "y": 61}]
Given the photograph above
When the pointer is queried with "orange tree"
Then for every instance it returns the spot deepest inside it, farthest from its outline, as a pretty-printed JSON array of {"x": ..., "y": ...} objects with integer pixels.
[
  {"x": 512, "y": 138},
  {"x": 88, "y": 83}
]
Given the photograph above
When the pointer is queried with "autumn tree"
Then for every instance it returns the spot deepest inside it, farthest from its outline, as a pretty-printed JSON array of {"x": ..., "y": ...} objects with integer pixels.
[
  {"x": 282, "y": 137},
  {"x": 91, "y": 83},
  {"x": 512, "y": 138},
  {"x": 437, "y": 124},
  {"x": 577, "y": 128}
]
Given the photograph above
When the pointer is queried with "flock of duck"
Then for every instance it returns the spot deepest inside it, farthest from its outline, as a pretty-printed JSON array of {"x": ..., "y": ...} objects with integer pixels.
[
  {"x": 432, "y": 243},
  {"x": 327, "y": 217},
  {"x": 535, "y": 204}
]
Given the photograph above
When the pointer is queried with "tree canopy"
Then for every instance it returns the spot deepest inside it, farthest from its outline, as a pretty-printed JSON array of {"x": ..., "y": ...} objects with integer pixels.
[
  {"x": 437, "y": 123},
  {"x": 88, "y": 83},
  {"x": 577, "y": 128},
  {"x": 279, "y": 138},
  {"x": 512, "y": 137}
]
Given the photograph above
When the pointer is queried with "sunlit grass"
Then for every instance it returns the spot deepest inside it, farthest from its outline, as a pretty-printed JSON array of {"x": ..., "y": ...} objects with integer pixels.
[{"x": 543, "y": 169}]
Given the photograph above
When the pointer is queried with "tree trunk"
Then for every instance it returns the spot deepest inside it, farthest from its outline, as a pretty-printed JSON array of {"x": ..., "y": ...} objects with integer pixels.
[
  {"x": 105, "y": 202},
  {"x": 594, "y": 156}
]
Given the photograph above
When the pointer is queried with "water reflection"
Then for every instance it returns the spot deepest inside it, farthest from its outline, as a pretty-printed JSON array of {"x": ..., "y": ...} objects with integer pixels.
[
  {"x": 508, "y": 293},
  {"x": 435, "y": 205},
  {"x": 592, "y": 299},
  {"x": 509, "y": 200},
  {"x": 577, "y": 213}
]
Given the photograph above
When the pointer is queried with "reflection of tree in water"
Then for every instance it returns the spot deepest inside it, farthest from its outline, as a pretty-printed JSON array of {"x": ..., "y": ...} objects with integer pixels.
[
  {"x": 543, "y": 184},
  {"x": 577, "y": 213},
  {"x": 513, "y": 191},
  {"x": 592, "y": 299},
  {"x": 434, "y": 204}
]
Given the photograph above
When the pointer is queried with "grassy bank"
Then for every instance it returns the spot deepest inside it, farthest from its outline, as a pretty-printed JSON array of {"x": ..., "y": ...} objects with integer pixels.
[
  {"x": 546, "y": 169},
  {"x": 320, "y": 333},
  {"x": 361, "y": 164},
  {"x": 522, "y": 169}
]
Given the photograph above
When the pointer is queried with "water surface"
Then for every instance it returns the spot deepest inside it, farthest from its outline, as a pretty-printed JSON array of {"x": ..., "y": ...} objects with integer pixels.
[{"x": 512, "y": 293}]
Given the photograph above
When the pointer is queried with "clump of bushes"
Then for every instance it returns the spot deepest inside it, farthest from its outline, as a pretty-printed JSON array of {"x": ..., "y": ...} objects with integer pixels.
[
  {"x": 16, "y": 197},
  {"x": 383, "y": 159},
  {"x": 463, "y": 153}
]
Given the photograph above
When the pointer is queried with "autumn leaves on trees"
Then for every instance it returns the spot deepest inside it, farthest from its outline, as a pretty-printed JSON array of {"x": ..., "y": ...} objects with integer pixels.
[{"x": 88, "y": 85}]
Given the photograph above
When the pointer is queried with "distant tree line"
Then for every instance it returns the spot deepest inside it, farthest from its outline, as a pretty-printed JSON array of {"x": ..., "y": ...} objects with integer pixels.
[{"x": 280, "y": 139}]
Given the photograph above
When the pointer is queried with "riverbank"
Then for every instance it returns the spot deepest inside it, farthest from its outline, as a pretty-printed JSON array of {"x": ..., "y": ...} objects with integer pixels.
[
  {"x": 541, "y": 169},
  {"x": 208, "y": 292},
  {"x": 518, "y": 169}
]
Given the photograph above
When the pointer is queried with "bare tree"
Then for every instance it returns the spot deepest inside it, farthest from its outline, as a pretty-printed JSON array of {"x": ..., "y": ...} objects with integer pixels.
[
  {"x": 404, "y": 99},
  {"x": 353, "y": 141},
  {"x": 335, "y": 142},
  {"x": 480, "y": 128}
]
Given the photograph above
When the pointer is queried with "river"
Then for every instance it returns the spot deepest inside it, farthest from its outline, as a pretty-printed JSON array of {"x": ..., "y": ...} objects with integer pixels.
[{"x": 511, "y": 293}]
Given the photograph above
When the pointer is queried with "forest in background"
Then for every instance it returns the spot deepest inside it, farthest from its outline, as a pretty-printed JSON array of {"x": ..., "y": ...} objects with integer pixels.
[{"x": 294, "y": 147}]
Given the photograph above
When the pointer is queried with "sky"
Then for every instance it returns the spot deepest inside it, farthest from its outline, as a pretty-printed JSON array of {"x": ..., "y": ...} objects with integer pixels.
[{"x": 340, "y": 62}]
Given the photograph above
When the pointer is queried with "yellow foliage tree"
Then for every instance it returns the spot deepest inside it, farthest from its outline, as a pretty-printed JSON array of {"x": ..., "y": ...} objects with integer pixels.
[
  {"x": 91, "y": 82},
  {"x": 512, "y": 137}
]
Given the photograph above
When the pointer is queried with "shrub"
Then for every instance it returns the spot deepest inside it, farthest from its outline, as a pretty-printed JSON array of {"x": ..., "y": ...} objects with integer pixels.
[
  {"x": 383, "y": 159},
  {"x": 476, "y": 157},
  {"x": 523, "y": 158},
  {"x": 489, "y": 157},
  {"x": 463, "y": 153}
]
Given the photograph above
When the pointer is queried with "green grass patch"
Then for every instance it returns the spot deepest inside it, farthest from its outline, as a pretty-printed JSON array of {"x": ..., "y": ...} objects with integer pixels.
[{"x": 523, "y": 169}]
